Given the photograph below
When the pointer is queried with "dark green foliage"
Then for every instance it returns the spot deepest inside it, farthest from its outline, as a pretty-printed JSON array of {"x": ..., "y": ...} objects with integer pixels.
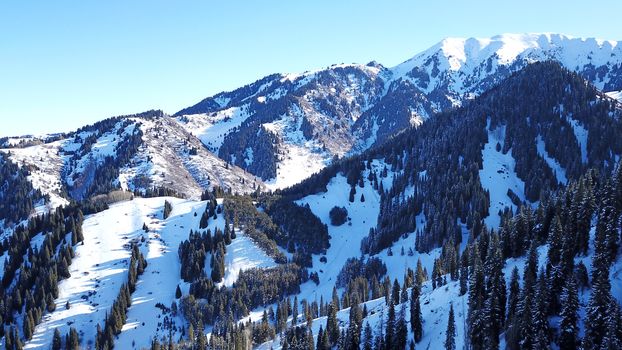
[
  {"x": 31, "y": 275},
  {"x": 241, "y": 212},
  {"x": 297, "y": 227},
  {"x": 372, "y": 268},
  {"x": 193, "y": 252},
  {"x": 168, "y": 207},
  {"x": 338, "y": 216},
  {"x": 416, "y": 322},
  {"x": 254, "y": 287},
  {"x": 450, "y": 334},
  {"x": 568, "y": 328},
  {"x": 56, "y": 340}
]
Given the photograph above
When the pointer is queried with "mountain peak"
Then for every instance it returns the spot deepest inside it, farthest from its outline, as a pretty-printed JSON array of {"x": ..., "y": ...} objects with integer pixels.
[{"x": 464, "y": 53}]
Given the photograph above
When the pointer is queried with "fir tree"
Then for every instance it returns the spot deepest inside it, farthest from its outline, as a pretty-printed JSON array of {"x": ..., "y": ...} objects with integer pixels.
[
  {"x": 416, "y": 325},
  {"x": 389, "y": 339},
  {"x": 401, "y": 331},
  {"x": 368, "y": 337},
  {"x": 476, "y": 319},
  {"x": 568, "y": 317},
  {"x": 56, "y": 340},
  {"x": 332, "y": 327},
  {"x": 450, "y": 334}
]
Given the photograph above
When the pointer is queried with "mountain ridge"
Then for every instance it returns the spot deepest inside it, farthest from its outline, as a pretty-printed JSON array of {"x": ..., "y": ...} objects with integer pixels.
[{"x": 381, "y": 101}]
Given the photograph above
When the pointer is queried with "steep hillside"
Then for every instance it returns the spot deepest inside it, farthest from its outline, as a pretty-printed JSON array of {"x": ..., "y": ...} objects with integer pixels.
[
  {"x": 136, "y": 153},
  {"x": 284, "y": 123},
  {"x": 273, "y": 126}
]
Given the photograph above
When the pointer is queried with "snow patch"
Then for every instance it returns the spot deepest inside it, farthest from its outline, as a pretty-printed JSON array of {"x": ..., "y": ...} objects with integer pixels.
[
  {"x": 560, "y": 172},
  {"x": 498, "y": 176}
]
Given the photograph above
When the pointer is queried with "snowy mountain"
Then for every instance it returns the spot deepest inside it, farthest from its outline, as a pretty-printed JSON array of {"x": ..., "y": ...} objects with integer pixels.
[
  {"x": 134, "y": 153},
  {"x": 505, "y": 207},
  {"x": 299, "y": 122}
]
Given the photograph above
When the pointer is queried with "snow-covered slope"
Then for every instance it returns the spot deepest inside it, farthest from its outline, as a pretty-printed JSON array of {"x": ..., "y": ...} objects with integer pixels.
[
  {"x": 45, "y": 164},
  {"x": 171, "y": 157},
  {"x": 615, "y": 95},
  {"x": 498, "y": 176},
  {"x": 101, "y": 266}
]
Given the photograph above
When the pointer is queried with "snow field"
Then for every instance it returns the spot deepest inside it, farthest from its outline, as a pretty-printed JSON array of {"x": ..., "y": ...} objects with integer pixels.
[
  {"x": 498, "y": 175},
  {"x": 98, "y": 270}
]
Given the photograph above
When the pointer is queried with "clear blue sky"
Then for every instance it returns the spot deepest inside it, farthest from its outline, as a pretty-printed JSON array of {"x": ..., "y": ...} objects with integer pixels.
[{"x": 64, "y": 64}]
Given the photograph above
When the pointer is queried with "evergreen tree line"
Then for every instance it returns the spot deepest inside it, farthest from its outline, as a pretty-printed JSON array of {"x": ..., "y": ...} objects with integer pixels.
[
  {"x": 257, "y": 225},
  {"x": 210, "y": 304},
  {"x": 193, "y": 253},
  {"x": 439, "y": 162},
  {"x": 524, "y": 311},
  {"x": 31, "y": 274},
  {"x": 299, "y": 230}
]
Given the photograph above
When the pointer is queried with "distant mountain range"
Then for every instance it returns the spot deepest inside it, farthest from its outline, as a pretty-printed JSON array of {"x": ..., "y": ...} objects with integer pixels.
[
  {"x": 282, "y": 128},
  {"x": 285, "y": 126}
]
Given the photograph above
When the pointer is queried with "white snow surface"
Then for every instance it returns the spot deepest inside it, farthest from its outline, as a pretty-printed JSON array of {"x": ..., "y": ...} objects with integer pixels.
[
  {"x": 98, "y": 269},
  {"x": 243, "y": 254},
  {"x": 615, "y": 95},
  {"x": 581, "y": 134},
  {"x": 468, "y": 60},
  {"x": 212, "y": 128},
  {"x": 299, "y": 158},
  {"x": 560, "y": 172},
  {"x": 345, "y": 239},
  {"x": 498, "y": 175}
]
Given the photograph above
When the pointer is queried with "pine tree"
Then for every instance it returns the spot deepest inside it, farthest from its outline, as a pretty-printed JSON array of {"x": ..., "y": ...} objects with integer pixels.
[
  {"x": 353, "y": 334},
  {"x": 568, "y": 316},
  {"x": 539, "y": 326},
  {"x": 168, "y": 207},
  {"x": 395, "y": 292},
  {"x": 401, "y": 331},
  {"x": 332, "y": 327},
  {"x": 476, "y": 316},
  {"x": 56, "y": 340},
  {"x": 368, "y": 337},
  {"x": 389, "y": 339},
  {"x": 514, "y": 295},
  {"x": 295, "y": 311},
  {"x": 613, "y": 334},
  {"x": 494, "y": 306},
  {"x": 450, "y": 334},
  {"x": 600, "y": 297},
  {"x": 320, "y": 334},
  {"x": 416, "y": 324}
]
